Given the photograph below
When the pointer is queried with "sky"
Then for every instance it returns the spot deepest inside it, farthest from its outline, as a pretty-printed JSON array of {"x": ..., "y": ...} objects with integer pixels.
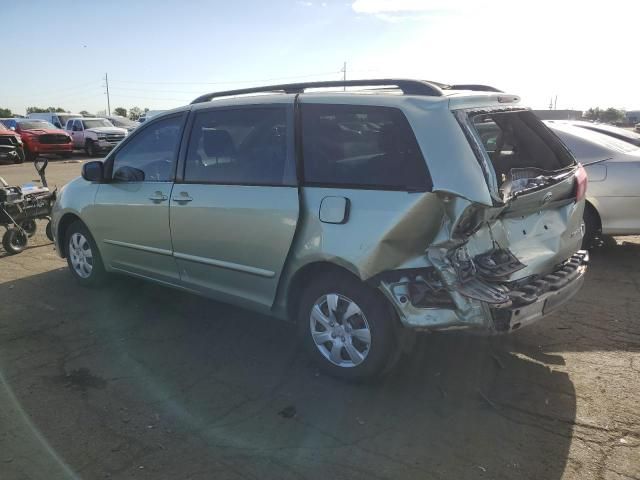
[{"x": 163, "y": 53}]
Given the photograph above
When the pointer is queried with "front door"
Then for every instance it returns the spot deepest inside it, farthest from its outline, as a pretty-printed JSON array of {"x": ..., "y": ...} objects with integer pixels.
[
  {"x": 77, "y": 133},
  {"x": 132, "y": 210},
  {"x": 234, "y": 215}
]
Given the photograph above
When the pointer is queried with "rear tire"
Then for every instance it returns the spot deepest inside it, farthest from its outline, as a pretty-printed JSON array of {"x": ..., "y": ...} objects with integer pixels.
[
  {"x": 30, "y": 227},
  {"x": 83, "y": 257},
  {"x": 48, "y": 231},
  {"x": 591, "y": 227},
  {"x": 347, "y": 329},
  {"x": 14, "y": 241}
]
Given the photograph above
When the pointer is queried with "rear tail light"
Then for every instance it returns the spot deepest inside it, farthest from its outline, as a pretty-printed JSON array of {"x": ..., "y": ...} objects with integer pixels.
[{"x": 581, "y": 183}]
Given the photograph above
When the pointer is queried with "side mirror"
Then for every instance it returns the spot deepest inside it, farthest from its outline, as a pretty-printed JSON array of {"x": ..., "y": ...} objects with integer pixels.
[
  {"x": 93, "y": 171},
  {"x": 127, "y": 174}
]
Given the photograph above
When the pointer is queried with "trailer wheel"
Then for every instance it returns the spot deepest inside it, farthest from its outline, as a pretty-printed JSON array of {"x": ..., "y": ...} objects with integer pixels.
[
  {"x": 49, "y": 231},
  {"x": 29, "y": 226},
  {"x": 14, "y": 241}
]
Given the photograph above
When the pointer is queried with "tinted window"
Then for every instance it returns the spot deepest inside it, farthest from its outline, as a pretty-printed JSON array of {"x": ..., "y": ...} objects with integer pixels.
[
  {"x": 362, "y": 147},
  {"x": 243, "y": 146},
  {"x": 151, "y": 153}
]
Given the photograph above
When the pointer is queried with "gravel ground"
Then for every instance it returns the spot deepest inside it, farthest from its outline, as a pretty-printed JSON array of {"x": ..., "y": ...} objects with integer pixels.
[{"x": 138, "y": 381}]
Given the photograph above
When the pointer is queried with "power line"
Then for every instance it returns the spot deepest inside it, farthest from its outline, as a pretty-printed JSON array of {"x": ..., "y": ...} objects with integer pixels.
[{"x": 227, "y": 82}]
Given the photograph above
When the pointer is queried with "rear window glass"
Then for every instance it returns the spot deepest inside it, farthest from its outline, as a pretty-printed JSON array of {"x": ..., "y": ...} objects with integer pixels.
[
  {"x": 361, "y": 147},
  {"x": 519, "y": 140}
]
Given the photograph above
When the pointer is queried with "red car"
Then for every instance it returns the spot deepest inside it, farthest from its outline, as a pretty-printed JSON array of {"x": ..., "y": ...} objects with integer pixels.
[
  {"x": 41, "y": 137},
  {"x": 10, "y": 145}
]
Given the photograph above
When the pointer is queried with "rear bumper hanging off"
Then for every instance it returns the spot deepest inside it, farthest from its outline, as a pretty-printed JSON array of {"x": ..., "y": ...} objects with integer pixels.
[{"x": 513, "y": 304}]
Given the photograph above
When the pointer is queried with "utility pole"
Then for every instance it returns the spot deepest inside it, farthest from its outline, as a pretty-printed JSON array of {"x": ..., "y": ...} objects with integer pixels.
[
  {"x": 344, "y": 75},
  {"x": 106, "y": 81},
  {"x": 555, "y": 103}
]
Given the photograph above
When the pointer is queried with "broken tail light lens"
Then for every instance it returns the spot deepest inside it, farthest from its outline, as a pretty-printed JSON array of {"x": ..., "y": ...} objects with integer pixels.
[{"x": 581, "y": 183}]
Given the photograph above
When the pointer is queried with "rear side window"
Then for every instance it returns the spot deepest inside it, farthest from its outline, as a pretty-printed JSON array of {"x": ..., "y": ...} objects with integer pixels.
[
  {"x": 246, "y": 146},
  {"x": 361, "y": 147}
]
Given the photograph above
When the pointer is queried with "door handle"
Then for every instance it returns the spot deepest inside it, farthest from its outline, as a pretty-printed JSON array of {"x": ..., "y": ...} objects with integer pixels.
[
  {"x": 158, "y": 197},
  {"x": 182, "y": 198}
]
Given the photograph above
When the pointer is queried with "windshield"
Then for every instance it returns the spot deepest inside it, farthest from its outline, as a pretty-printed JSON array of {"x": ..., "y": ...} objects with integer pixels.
[
  {"x": 35, "y": 125},
  {"x": 122, "y": 122},
  {"x": 97, "y": 123}
]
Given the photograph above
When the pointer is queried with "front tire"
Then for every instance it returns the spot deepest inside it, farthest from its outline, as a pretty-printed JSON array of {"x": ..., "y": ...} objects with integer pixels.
[
  {"x": 92, "y": 151},
  {"x": 83, "y": 256},
  {"x": 30, "y": 156},
  {"x": 14, "y": 241},
  {"x": 346, "y": 327}
]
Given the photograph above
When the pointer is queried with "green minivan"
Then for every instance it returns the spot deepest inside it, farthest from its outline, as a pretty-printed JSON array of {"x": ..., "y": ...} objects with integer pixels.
[{"x": 362, "y": 211}]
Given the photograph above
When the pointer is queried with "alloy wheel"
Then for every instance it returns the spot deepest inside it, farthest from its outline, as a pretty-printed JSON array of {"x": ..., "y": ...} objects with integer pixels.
[
  {"x": 80, "y": 255},
  {"x": 340, "y": 330}
]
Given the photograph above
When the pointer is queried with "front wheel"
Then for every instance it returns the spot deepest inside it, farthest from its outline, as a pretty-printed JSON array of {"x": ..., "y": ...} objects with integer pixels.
[
  {"x": 83, "y": 256},
  {"x": 14, "y": 241},
  {"x": 92, "y": 150},
  {"x": 30, "y": 156},
  {"x": 347, "y": 328}
]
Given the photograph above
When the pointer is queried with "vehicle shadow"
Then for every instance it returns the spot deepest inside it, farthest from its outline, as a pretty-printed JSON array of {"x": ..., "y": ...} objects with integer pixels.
[{"x": 139, "y": 379}]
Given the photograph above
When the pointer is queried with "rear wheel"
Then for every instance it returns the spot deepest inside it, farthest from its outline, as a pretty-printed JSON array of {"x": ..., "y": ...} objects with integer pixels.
[
  {"x": 83, "y": 256},
  {"x": 346, "y": 327},
  {"x": 14, "y": 241},
  {"x": 30, "y": 227},
  {"x": 591, "y": 227},
  {"x": 48, "y": 230}
]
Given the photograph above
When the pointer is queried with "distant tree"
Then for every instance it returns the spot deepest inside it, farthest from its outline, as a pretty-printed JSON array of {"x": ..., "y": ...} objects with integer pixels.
[
  {"x": 592, "y": 114},
  {"x": 122, "y": 112},
  {"x": 44, "y": 110},
  {"x": 135, "y": 113},
  {"x": 84, "y": 113},
  {"x": 5, "y": 113},
  {"x": 610, "y": 115}
]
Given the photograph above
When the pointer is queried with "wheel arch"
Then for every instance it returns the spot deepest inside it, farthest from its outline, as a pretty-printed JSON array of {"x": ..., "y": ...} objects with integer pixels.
[
  {"x": 320, "y": 268},
  {"x": 589, "y": 206},
  {"x": 65, "y": 221}
]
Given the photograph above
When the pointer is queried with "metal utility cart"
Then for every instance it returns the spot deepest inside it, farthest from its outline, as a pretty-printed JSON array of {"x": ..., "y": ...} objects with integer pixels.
[{"x": 20, "y": 207}]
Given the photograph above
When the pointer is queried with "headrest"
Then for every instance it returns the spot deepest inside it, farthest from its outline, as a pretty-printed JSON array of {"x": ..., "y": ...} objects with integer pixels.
[{"x": 217, "y": 143}]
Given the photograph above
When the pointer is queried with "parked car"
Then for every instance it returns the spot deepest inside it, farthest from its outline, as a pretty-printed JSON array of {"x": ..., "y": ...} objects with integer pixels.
[
  {"x": 361, "y": 218},
  {"x": 94, "y": 135},
  {"x": 58, "y": 120},
  {"x": 40, "y": 137},
  {"x": 610, "y": 130},
  {"x": 613, "y": 168},
  {"x": 637, "y": 127},
  {"x": 11, "y": 149},
  {"x": 123, "y": 122},
  {"x": 149, "y": 115}
]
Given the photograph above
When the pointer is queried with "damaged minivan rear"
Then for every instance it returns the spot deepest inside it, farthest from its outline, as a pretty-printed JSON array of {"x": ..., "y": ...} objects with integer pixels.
[{"x": 363, "y": 215}]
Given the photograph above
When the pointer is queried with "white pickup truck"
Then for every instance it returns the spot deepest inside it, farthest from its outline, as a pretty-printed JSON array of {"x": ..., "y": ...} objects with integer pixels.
[{"x": 94, "y": 135}]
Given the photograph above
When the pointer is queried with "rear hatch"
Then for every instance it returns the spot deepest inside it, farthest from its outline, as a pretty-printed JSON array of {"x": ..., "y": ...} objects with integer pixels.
[{"x": 536, "y": 186}]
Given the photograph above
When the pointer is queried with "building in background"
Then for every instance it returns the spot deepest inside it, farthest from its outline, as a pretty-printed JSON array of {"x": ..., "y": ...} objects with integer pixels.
[{"x": 558, "y": 114}]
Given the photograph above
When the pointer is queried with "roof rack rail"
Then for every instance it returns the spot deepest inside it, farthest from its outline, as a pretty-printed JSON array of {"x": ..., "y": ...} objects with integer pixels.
[
  {"x": 408, "y": 87},
  {"x": 474, "y": 87}
]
